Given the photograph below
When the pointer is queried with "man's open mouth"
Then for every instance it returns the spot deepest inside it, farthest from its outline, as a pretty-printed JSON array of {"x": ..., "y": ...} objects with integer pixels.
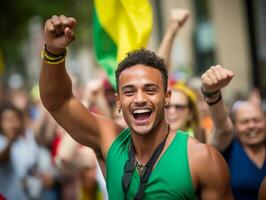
[
  {"x": 253, "y": 133},
  {"x": 141, "y": 114}
]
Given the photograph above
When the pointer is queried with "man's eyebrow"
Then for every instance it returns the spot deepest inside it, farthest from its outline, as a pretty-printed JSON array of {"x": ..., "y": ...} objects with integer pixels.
[
  {"x": 148, "y": 85},
  {"x": 151, "y": 85},
  {"x": 127, "y": 87}
]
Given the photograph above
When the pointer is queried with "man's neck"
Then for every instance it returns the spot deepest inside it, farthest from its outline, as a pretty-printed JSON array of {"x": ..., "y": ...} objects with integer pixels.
[{"x": 146, "y": 145}]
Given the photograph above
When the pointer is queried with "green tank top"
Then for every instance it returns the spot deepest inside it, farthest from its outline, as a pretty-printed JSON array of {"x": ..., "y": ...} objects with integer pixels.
[{"x": 169, "y": 180}]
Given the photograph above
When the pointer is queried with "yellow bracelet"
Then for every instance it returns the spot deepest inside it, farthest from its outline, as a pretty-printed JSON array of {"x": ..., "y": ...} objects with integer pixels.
[
  {"x": 46, "y": 56},
  {"x": 53, "y": 59},
  {"x": 54, "y": 62}
]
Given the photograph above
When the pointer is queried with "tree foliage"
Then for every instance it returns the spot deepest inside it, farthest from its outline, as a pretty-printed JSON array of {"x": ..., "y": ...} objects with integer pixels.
[{"x": 15, "y": 15}]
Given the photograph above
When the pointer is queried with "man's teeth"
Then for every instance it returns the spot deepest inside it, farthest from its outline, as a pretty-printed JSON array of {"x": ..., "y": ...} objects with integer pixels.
[
  {"x": 142, "y": 110},
  {"x": 252, "y": 133}
]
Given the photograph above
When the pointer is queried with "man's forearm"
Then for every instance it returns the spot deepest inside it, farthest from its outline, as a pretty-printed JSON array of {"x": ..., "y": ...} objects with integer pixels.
[
  {"x": 213, "y": 80},
  {"x": 220, "y": 117},
  {"x": 223, "y": 127},
  {"x": 55, "y": 85},
  {"x": 165, "y": 47},
  {"x": 178, "y": 18}
]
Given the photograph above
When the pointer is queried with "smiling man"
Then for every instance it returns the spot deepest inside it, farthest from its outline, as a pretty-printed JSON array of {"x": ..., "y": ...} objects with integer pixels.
[
  {"x": 148, "y": 160},
  {"x": 241, "y": 139}
]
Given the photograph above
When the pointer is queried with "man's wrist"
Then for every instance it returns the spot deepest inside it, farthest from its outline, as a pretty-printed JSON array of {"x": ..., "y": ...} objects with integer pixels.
[
  {"x": 54, "y": 50},
  {"x": 214, "y": 99},
  {"x": 209, "y": 94},
  {"x": 53, "y": 58}
]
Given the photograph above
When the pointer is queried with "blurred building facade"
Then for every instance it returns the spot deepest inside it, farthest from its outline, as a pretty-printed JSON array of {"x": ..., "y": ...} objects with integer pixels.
[{"x": 229, "y": 33}]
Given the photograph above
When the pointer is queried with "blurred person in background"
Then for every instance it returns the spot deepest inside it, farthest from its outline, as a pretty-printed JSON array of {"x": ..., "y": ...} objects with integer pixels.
[
  {"x": 75, "y": 178},
  {"x": 118, "y": 117},
  {"x": 93, "y": 97},
  {"x": 178, "y": 19},
  {"x": 20, "y": 99},
  {"x": 18, "y": 152},
  {"x": 98, "y": 97},
  {"x": 24, "y": 164},
  {"x": 182, "y": 112},
  {"x": 79, "y": 162},
  {"x": 205, "y": 119},
  {"x": 239, "y": 138}
]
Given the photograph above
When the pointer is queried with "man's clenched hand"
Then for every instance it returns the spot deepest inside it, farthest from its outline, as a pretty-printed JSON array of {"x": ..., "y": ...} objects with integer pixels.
[{"x": 59, "y": 33}]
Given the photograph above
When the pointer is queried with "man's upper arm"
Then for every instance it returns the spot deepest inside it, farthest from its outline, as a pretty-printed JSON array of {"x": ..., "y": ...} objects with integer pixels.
[
  {"x": 86, "y": 128},
  {"x": 216, "y": 179},
  {"x": 211, "y": 172}
]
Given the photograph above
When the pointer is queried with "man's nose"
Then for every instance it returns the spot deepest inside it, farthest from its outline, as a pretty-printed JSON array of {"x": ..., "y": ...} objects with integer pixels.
[
  {"x": 140, "y": 98},
  {"x": 251, "y": 123}
]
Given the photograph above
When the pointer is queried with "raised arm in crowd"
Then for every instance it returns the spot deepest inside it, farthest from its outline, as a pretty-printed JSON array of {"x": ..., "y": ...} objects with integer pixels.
[
  {"x": 142, "y": 96},
  {"x": 240, "y": 138}
]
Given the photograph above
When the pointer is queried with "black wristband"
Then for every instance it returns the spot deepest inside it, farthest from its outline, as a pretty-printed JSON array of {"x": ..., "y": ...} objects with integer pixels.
[
  {"x": 208, "y": 94},
  {"x": 63, "y": 54},
  {"x": 213, "y": 102},
  {"x": 51, "y": 58}
]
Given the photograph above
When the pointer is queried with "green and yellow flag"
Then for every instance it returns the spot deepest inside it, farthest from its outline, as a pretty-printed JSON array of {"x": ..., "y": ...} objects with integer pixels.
[{"x": 119, "y": 26}]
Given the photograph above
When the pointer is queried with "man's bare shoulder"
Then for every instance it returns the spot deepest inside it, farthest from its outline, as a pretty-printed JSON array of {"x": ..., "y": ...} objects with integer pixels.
[
  {"x": 207, "y": 166},
  {"x": 205, "y": 156},
  {"x": 200, "y": 151}
]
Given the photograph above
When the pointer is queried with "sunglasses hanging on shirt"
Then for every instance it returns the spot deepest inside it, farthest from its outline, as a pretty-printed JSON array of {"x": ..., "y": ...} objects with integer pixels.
[{"x": 131, "y": 164}]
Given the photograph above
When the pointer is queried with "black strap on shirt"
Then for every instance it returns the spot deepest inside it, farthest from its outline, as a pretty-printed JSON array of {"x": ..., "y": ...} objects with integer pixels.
[{"x": 144, "y": 177}]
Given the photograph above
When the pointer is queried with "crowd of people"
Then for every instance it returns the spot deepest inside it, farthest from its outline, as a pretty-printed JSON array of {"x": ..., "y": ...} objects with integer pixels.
[
  {"x": 152, "y": 138},
  {"x": 35, "y": 151}
]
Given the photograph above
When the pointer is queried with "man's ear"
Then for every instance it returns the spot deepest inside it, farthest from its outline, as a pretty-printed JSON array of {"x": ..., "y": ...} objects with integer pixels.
[
  {"x": 168, "y": 97},
  {"x": 117, "y": 100}
]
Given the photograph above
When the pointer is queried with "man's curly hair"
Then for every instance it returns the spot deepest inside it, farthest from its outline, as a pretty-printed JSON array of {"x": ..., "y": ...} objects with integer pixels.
[{"x": 143, "y": 57}]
